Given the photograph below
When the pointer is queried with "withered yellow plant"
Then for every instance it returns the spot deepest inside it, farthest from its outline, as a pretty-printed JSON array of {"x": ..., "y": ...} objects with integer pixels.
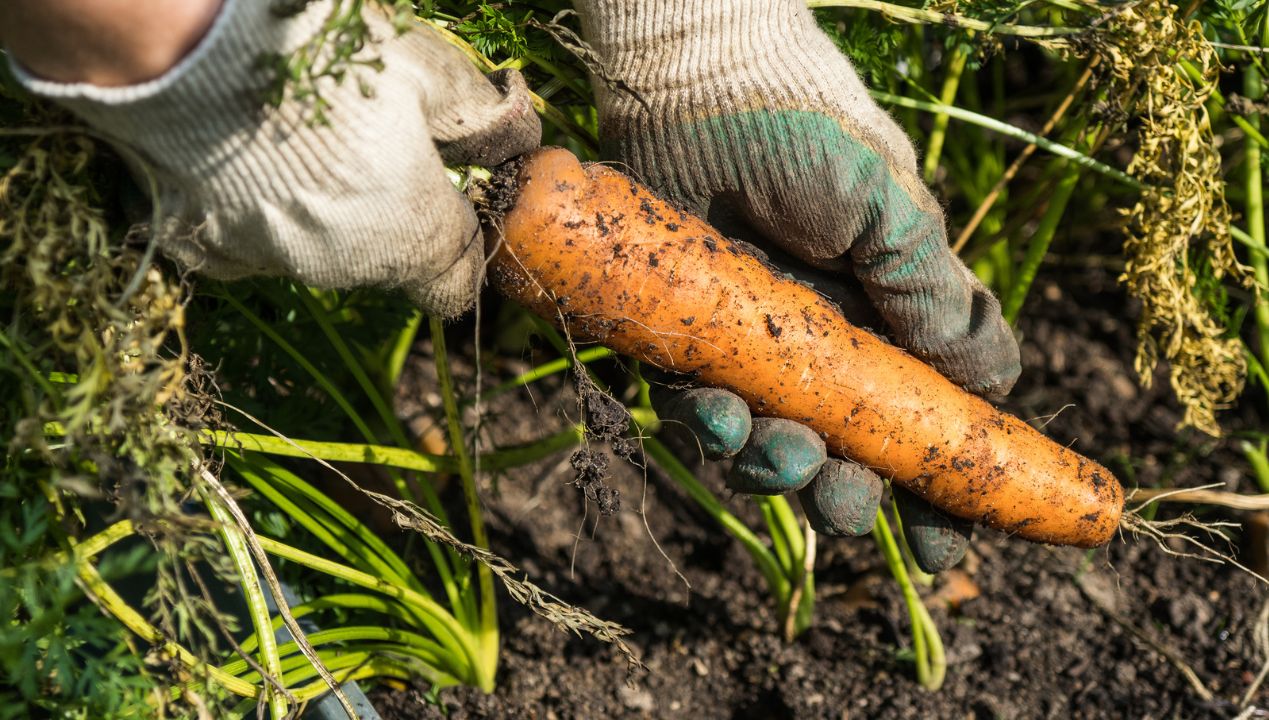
[{"x": 1177, "y": 239}]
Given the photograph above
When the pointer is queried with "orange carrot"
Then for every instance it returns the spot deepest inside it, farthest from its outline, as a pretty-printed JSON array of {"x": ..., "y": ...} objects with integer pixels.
[{"x": 589, "y": 248}]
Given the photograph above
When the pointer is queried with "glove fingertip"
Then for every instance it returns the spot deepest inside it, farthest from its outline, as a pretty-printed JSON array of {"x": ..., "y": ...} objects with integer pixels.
[
  {"x": 842, "y": 499},
  {"x": 781, "y": 456},
  {"x": 938, "y": 541},
  {"x": 718, "y": 420}
]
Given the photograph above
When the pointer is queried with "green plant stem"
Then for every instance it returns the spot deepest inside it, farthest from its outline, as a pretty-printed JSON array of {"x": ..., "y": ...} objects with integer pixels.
[
  {"x": 921, "y": 16},
  {"x": 487, "y": 630},
  {"x": 386, "y": 415},
  {"x": 951, "y": 83},
  {"x": 88, "y": 548},
  {"x": 109, "y": 601},
  {"x": 257, "y": 608},
  {"x": 767, "y": 562},
  {"x": 1253, "y": 87},
  {"x": 417, "y": 645},
  {"x": 445, "y": 560},
  {"x": 397, "y": 355},
  {"x": 778, "y": 543},
  {"x": 1008, "y": 130},
  {"x": 322, "y": 317},
  {"x": 97, "y": 544},
  {"x": 581, "y": 89},
  {"x": 1038, "y": 247},
  {"x": 318, "y": 376},
  {"x": 1259, "y": 462},
  {"x": 1254, "y": 368},
  {"x": 919, "y": 576},
  {"x": 387, "y": 456},
  {"x": 326, "y": 519},
  {"x": 357, "y": 653},
  {"x": 788, "y": 540},
  {"x": 1252, "y": 131},
  {"x": 931, "y": 662},
  {"x": 359, "y": 667},
  {"x": 347, "y": 668},
  {"x": 1242, "y": 238},
  {"x": 448, "y": 562},
  {"x": 791, "y": 529},
  {"x": 340, "y": 601},
  {"x": 453, "y": 636},
  {"x": 558, "y": 365}
]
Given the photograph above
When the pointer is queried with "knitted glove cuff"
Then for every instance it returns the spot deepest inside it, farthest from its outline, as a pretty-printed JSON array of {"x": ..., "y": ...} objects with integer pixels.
[
  {"x": 663, "y": 45},
  {"x": 221, "y": 81}
]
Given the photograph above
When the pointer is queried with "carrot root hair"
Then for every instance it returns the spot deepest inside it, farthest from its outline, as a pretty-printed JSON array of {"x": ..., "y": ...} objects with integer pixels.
[{"x": 1184, "y": 536}]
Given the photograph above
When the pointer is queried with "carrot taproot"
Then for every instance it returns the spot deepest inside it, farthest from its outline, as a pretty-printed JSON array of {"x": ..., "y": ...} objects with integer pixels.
[{"x": 590, "y": 248}]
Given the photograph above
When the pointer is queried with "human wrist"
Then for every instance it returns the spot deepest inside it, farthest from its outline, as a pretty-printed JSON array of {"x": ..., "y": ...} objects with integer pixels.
[
  {"x": 106, "y": 44},
  {"x": 215, "y": 92}
]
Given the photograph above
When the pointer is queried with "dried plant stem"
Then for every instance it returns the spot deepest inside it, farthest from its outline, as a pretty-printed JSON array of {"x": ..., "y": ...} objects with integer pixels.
[
  {"x": 1223, "y": 498},
  {"x": 1261, "y": 636},
  {"x": 1052, "y": 36},
  {"x": 990, "y": 200},
  {"x": 1167, "y": 652}
]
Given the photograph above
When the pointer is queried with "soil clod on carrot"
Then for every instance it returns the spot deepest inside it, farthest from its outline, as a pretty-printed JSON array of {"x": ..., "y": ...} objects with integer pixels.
[
  {"x": 498, "y": 194},
  {"x": 592, "y": 473},
  {"x": 605, "y": 418}
]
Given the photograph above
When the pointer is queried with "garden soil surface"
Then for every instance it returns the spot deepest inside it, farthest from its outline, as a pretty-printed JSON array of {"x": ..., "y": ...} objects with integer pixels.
[{"x": 1030, "y": 631}]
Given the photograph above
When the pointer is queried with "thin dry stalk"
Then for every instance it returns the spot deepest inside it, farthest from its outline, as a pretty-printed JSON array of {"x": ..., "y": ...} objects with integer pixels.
[
  {"x": 1261, "y": 636},
  {"x": 1199, "y": 496},
  {"x": 275, "y": 588},
  {"x": 1166, "y": 651},
  {"x": 990, "y": 200},
  {"x": 409, "y": 516}
]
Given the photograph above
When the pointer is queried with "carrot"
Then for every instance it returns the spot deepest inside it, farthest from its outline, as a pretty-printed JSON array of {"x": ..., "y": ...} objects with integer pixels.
[{"x": 591, "y": 249}]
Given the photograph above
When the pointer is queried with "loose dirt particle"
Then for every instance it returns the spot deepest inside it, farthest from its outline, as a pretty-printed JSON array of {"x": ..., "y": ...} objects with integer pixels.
[{"x": 772, "y": 328}]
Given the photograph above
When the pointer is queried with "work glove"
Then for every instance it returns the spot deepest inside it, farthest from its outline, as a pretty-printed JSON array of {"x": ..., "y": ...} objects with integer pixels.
[
  {"x": 249, "y": 189},
  {"x": 746, "y": 113}
]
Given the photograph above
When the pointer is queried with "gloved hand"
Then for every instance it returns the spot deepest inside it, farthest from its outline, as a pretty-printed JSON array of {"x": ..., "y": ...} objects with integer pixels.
[
  {"x": 247, "y": 189},
  {"x": 746, "y": 112}
]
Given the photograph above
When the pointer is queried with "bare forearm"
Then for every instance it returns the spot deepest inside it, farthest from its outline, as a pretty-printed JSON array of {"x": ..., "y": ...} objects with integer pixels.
[{"x": 108, "y": 43}]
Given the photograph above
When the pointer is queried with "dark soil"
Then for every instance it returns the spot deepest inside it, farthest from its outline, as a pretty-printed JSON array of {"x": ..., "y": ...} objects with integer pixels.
[{"x": 1039, "y": 640}]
